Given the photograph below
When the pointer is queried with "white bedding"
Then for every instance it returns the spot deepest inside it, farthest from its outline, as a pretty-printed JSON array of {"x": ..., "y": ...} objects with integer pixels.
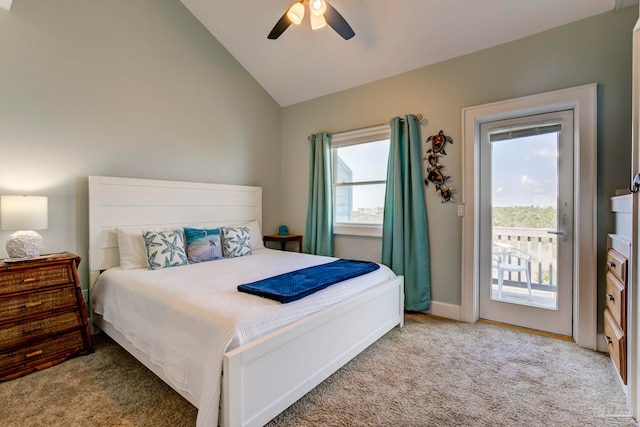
[{"x": 185, "y": 318}]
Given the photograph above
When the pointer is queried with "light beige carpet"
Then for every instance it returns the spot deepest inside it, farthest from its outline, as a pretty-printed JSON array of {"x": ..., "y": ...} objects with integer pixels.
[{"x": 432, "y": 372}]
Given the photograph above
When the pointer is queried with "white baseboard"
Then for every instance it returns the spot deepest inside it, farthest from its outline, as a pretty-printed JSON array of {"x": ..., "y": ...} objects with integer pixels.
[{"x": 448, "y": 311}]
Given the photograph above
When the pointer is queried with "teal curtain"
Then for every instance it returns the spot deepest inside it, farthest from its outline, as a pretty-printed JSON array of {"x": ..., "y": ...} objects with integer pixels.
[
  {"x": 318, "y": 237},
  {"x": 405, "y": 247}
]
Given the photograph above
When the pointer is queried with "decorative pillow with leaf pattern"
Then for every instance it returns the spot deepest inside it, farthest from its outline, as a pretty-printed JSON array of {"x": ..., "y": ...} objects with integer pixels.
[
  {"x": 165, "y": 248},
  {"x": 235, "y": 241}
]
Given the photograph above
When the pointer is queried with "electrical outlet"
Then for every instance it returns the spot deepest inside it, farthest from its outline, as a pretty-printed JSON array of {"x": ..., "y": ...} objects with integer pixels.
[{"x": 460, "y": 210}]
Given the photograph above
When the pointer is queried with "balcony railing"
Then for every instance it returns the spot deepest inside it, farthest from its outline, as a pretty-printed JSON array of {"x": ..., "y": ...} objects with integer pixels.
[{"x": 543, "y": 249}]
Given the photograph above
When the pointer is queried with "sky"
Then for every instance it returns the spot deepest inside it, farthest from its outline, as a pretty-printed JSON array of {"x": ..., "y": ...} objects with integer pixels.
[{"x": 525, "y": 171}]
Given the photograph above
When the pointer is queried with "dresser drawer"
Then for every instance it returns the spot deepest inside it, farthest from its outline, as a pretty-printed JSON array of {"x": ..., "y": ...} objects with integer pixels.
[
  {"x": 617, "y": 264},
  {"x": 616, "y": 344},
  {"x": 22, "y": 332},
  {"x": 35, "y": 278},
  {"x": 39, "y": 355},
  {"x": 40, "y": 302},
  {"x": 617, "y": 299}
]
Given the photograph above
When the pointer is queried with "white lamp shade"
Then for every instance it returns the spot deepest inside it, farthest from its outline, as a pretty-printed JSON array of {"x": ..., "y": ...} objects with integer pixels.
[
  {"x": 317, "y": 22},
  {"x": 296, "y": 13},
  {"x": 23, "y": 213}
]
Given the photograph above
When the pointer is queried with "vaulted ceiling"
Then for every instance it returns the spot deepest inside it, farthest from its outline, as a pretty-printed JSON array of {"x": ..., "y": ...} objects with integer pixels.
[{"x": 392, "y": 36}]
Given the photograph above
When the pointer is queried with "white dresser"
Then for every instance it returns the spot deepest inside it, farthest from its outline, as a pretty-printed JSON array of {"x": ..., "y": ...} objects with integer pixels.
[{"x": 620, "y": 240}]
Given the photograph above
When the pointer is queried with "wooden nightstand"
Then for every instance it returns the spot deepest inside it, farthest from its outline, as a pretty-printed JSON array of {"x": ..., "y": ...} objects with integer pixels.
[
  {"x": 283, "y": 240},
  {"x": 43, "y": 319}
]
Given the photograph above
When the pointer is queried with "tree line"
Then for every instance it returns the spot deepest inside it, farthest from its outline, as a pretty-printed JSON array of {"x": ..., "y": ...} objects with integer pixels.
[{"x": 525, "y": 216}]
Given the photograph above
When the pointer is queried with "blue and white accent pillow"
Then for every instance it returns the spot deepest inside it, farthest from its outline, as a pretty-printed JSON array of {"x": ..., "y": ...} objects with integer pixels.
[
  {"x": 236, "y": 241},
  {"x": 165, "y": 248},
  {"x": 203, "y": 244}
]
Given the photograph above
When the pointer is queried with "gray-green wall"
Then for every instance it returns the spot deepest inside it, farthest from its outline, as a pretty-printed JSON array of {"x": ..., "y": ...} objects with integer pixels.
[
  {"x": 597, "y": 49},
  {"x": 124, "y": 88},
  {"x": 141, "y": 89}
]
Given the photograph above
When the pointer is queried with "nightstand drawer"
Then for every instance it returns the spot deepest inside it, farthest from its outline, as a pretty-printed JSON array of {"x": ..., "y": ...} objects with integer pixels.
[
  {"x": 32, "y": 303},
  {"x": 34, "y": 278},
  {"x": 21, "y": 332},
  {"x": 617, "y": 264},
  {"x": 616, "y": 344},
  {"x": 617, "y": 299},
  {"x": 39, "y": 355}
]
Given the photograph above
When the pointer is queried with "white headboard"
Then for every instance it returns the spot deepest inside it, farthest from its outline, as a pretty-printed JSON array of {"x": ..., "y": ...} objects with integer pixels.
[{"x": 131, "y": 202}]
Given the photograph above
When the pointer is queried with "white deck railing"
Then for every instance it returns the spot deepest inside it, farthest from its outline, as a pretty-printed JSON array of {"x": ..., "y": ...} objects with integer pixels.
[{"x": 543, "y": 249}]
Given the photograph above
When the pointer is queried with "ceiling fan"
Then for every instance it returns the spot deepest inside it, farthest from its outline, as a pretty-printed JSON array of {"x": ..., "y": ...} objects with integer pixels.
[{"x": 322, "y": 13}]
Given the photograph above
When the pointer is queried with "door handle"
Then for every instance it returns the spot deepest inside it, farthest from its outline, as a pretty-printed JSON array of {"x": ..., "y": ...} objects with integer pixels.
[
  {"x": 559, "y": 233},
  {"x": 635, "y": 184}
]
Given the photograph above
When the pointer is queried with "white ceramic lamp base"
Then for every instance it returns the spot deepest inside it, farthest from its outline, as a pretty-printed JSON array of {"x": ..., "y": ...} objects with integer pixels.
[{"x": 24, "y": 244}]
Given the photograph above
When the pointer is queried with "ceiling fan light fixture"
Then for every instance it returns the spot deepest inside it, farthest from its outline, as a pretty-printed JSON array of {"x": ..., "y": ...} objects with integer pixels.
[
  {"x": 317, "y": 22},
  {"x": 317, "y": 7},
  {"x": 296, "y": 13},
  {"x": 321, "y": 14}
]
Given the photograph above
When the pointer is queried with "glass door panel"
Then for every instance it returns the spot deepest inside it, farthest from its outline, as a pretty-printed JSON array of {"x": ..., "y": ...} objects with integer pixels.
[{"x": 526, "y": 221}]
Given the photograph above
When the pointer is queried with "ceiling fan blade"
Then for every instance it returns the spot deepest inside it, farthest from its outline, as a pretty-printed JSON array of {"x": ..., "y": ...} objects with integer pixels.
[
  {"x": 338, "y": 23},
  {"x": 282, "y": 24}
]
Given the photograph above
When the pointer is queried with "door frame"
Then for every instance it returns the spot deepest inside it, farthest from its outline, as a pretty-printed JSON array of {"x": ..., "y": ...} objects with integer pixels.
[
  {"x": 633, "y": 309},
  {"x": 583, "y": 100}
]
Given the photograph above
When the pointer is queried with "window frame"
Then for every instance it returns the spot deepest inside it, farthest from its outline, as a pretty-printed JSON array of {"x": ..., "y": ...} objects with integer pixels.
[{"x": 345, "y": 139}]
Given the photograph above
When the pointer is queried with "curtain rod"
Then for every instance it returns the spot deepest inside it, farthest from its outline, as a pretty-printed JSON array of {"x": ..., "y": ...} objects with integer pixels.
[
  {"x": 365, "y": 133},
  {"x": 418, "y": 117}
]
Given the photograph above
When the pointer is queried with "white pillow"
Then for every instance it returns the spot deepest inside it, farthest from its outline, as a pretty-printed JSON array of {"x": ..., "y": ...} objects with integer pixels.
[
  {"x": 133, "y": 253},
  {"x": 255, "y": 235}
]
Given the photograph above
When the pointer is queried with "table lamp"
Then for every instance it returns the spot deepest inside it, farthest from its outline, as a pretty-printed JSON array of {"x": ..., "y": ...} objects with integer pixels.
[{"x": 23, "y": 213}]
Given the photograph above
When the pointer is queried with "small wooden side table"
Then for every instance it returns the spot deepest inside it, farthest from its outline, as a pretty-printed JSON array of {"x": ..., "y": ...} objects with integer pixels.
[{"x": 283, "y": 240}]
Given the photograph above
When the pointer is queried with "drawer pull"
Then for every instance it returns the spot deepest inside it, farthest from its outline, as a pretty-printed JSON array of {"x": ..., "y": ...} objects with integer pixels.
[
  {"x": 610, "y": 297},
  {"x": 32, "y": 304},
  {"x": 34, "y": 354},
  {"x": 611, "y": 264},
  {"x": 30, "y": 330},
  {"x": 608, "y": 340},
  {"x": 30, "y": 279}
]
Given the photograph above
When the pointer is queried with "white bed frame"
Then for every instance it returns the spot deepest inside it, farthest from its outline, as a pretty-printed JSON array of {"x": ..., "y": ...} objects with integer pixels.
[{"x": 264, "y": 377}]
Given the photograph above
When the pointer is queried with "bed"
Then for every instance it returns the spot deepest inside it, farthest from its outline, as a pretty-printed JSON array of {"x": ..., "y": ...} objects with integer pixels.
[{"x": 245, "y": 374}]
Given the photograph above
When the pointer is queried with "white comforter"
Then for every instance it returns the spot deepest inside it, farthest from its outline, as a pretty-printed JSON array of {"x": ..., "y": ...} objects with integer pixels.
[{"x": 186, "y": 318}]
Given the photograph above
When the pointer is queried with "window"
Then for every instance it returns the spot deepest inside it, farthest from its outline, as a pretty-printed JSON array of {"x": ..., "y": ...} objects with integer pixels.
[{"x": 359, "y": 163}]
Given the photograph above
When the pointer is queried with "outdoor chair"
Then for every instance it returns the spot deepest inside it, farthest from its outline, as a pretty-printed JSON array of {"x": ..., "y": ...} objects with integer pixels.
[{"x": 507, "y": 258}]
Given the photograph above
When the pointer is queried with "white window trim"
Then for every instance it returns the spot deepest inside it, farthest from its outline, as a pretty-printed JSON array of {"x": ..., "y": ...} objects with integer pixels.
[
  {"x": 366, "y": 230},
  {"x": 358, "y": 136},
  {"x": 353, "y": 137}
]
